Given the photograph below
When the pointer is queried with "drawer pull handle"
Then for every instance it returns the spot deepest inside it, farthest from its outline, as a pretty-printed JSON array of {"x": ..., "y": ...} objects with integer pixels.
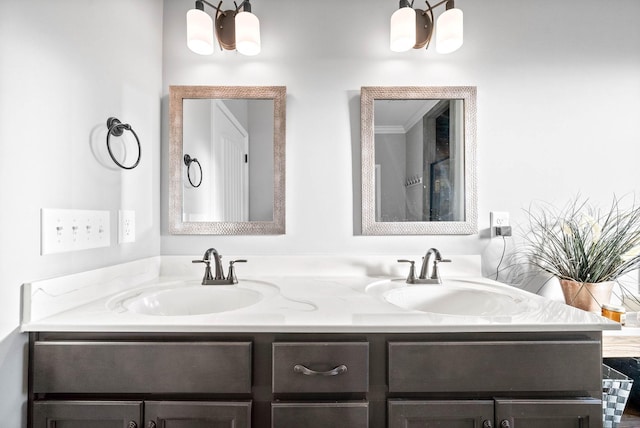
[
  {"x": 151, "y": 424},
  {"x": 486, "y": 424},
  {"x": 505, "y": 424},
  {"x": 132, "y": 424},
  {"x": 299, "y": 368}
]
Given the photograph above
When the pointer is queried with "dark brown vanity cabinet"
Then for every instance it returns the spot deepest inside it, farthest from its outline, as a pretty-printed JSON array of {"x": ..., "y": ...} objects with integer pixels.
[
  {"x": 315, "y": 380},
  {"x": 320, "y": 384},
  {"x": 155, "y": 414},
  {"x": 499, "y": 413},
  {"x": 203, "y": 384},
  {"x": 86, "y": 414},
  {"x": 552, "y": 383}
]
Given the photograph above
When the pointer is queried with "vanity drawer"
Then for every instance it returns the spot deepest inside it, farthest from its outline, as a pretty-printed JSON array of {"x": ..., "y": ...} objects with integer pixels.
[
  {"x": 494, "y": 366},
  {"x": 320, "y": 415},
  {"x": 141, "y": 367},
  {"x": 320, "y": 367}
]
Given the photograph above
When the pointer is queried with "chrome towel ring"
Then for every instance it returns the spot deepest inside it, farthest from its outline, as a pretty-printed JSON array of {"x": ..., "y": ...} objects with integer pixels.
[
  {"x": 117, "y": 128},
  {"x": 188, "y": 160}
]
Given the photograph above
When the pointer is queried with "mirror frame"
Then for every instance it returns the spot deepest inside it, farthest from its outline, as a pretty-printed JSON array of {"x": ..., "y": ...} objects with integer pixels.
[
  {"x": 177, "y": 94},
  {"x": 370, "y": 226}
]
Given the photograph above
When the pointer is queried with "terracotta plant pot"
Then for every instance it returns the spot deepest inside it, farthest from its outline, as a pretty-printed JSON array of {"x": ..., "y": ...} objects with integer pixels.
[{"x": 585, "y": 295}]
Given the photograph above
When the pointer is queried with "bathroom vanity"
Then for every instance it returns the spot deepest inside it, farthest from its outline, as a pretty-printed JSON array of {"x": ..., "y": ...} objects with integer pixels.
[{"x": 321, "y": 352}]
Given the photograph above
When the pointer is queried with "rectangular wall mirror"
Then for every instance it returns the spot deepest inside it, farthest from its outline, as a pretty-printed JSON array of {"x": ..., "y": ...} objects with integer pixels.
[
  {"x": 419, "y": 160},
  {"x": 227, "y": 160}
]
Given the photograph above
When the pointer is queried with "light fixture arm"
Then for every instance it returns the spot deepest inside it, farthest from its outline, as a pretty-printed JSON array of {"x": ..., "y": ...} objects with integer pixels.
[
  {"x": 200, "y": 5},
  {"x": 430, "y": 8},
  {"x": 429, "y": 21}
]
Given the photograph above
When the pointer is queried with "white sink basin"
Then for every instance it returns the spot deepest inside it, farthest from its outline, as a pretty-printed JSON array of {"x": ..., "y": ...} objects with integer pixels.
[
  {"x": 186, "y": 298},
  {"x": 453, "y": 301},
  {"x": 458, "y": 298}
]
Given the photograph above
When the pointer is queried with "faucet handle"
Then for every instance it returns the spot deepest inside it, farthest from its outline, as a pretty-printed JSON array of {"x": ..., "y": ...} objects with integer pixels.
[
  {"x": 231, "y": 277},
  {"x": 201, "y": 261},
  {"x": 411, "y": 278},
  {"x": 435, "y": 273}
]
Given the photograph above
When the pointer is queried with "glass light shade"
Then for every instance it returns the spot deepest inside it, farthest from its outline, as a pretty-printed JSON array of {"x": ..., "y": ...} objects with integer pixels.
[
  {"x": 403, "y": 29},
  {"x": 449, "y": 34},
  {"x": 199, "y": 32},
  {"x": 247, "y": 33}
]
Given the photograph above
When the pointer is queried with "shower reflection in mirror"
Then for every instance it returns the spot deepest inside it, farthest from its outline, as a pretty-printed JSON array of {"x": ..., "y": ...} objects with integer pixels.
[{"x": 419, "y": 160}]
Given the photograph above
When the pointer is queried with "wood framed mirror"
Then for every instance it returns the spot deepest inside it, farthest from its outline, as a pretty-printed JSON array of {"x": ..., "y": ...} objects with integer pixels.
[
  {"x": 227, "y": 160},
  {"x": 419, "y": 160}
]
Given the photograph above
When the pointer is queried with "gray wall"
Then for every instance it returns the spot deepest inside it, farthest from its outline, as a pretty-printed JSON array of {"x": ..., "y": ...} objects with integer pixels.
[
  {"x": 261, "y": 160},
  {"x": 65, "y": 67},
  {"x": 391, "y": 152},
  {"x": 414, "y": 159}
]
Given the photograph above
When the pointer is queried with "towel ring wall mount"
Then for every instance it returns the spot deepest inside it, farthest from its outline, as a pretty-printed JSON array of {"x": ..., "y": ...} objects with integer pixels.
[
  {"x": 117, "y": 128},
  {"x": 188, "y": 161}
]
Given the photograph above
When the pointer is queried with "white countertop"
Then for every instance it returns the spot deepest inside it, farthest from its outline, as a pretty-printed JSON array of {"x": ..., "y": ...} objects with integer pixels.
[{"x": 313, "y": 303}]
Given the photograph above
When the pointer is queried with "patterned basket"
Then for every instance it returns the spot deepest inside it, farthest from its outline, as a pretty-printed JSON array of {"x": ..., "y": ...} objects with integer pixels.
[{"x": 615, "y": 391}]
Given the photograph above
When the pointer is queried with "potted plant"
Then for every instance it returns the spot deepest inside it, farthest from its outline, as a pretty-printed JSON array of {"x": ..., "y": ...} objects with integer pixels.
[{"x": 585, "y": 247}]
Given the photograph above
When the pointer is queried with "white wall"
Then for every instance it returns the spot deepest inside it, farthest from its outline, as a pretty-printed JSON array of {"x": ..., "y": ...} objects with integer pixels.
[
  {"x": 557, "y": 106},
  {"x": 196, "y": 142},
  {"x": 65, "y": 67},
  {"x": 558, "y": 84}
]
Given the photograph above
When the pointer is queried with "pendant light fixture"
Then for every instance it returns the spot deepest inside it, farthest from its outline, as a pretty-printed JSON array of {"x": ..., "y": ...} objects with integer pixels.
[
  {"x": 235, "y": 29},
  {"x": 413, "y": 28}
]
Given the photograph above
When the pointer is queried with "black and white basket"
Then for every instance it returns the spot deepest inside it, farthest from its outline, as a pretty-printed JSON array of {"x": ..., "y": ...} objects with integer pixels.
[{"x": 615, "y": 392}]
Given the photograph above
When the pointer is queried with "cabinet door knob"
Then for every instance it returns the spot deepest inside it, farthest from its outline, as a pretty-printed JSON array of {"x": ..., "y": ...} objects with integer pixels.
[
  {"x": 505, "y": 424},
  {"x": 487, "y": 424},
  {"x": 299, "y": 368},
  {"x": 151, "y": 424},
  {"x": 132, "y": 424}
]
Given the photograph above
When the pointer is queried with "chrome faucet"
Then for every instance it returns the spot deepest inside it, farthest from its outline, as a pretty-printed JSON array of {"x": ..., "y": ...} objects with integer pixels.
[
  {"x": 435, "y": 274},
  {"x": 218, "y": 278},
  {"x": 425, "y": 276}
]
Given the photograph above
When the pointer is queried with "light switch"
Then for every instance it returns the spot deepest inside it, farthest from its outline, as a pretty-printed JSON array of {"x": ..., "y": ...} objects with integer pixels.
[{"x": 73, "y": 230}]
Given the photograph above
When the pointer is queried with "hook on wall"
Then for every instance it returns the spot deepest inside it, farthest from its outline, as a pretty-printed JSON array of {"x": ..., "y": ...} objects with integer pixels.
[
  {"x": 188, "y": 160},
  {"x": 117, "y": 128}
]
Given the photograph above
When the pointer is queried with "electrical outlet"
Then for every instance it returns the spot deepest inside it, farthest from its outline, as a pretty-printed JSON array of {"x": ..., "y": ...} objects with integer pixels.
[
  {"x": 498, "y": 219},
  {"x": 126, "y": 226},
  {"x": 73, "y": 230}
]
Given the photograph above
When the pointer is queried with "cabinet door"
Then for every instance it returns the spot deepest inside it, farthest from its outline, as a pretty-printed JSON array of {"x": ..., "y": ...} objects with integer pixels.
[
  {"x": 197, "y": 414},
  {"x": 578, "y": 413},
  {"x": 320, "y": 415},
  {"x": 440, "y": 414},
  {"x": 87, "y": 414}
]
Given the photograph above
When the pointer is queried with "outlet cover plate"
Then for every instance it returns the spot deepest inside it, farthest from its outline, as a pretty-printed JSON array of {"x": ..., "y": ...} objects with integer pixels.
[
  {"x": 497, "y": 219},
  {"x": 126, "y": 226}
]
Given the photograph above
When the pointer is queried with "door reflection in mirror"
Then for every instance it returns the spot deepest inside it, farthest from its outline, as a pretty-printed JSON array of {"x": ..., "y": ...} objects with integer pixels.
[
  {"x": 419, "y": 160},
  {"x": 234, "y": 140}
]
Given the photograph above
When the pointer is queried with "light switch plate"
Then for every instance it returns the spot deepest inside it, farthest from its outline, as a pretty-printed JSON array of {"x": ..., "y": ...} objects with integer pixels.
[
  {"x": 126, "y": 226},
  {"x": 73, "y": 230}
]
